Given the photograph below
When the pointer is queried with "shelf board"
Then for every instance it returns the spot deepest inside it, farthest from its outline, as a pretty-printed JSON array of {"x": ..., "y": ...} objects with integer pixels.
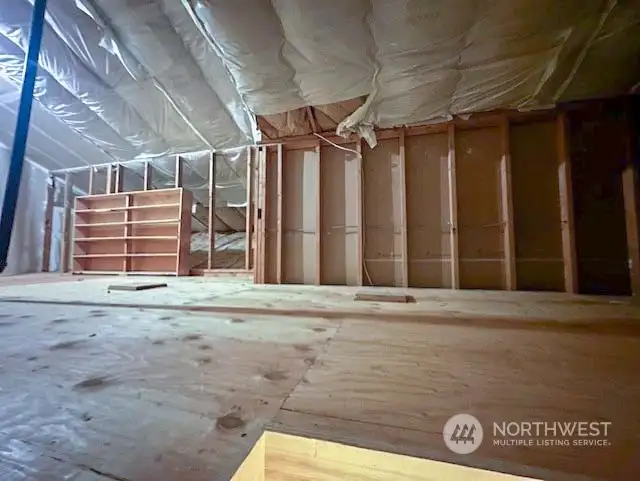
[
  {"x": 123, "y": 208},
  {"x": 137, "y": 222},
  {"x": 141, "y": 237},
  {"x": 172, "y": 190},
  {"x": 122, "y": 254},
  {"x": 124, "y": 273}
]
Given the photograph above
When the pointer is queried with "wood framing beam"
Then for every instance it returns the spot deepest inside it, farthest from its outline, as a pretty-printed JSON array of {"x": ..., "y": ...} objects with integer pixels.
[
  {"x": 382, "y": 297},
  {"x": 279, "y": 187},
  {"x": 126, "y": 261},
  {"x": 91, "y": 180},
  {"x": 249, "y": 213},
  {"x": 312, "y": 119},
  {"x": 631, "y": 195},
  {"x": 630, "y": 189},
  {"x": 359, "y": 219},
  {"x": 403, "y": 211},
  {"x": 318, "y": 216},
  {"x": 212, "y": 211},
  {"x": 48, "y": 215},
  {"x": 453, "y": 208},
  {"x": 261, "y": 264},
  {"x": 147, "y": 178},
  {"x": 109, "y": 187},
  {"x": 67, "y": 224},
  {"x": 477, "y": 120},
  {"x": 506, "y": 197},
  {"x": 257, "y": 256},
  {"x": 566, "y": 206},
  {"x": 119, "y": 179},
  {"x": 179, "y": 171}
]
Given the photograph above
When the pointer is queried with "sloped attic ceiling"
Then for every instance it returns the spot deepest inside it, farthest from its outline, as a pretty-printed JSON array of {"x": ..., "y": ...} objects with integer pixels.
[{"x": 149, "y": 78}]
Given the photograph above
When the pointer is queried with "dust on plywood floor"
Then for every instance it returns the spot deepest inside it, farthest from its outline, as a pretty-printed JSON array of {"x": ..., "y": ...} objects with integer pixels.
[
  {"x": 132, "y": 394},
  {"x": 176, "y": 386}
]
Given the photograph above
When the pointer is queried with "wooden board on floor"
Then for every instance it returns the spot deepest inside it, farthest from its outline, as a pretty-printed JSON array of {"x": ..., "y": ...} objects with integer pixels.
[
  {"x": 278, "y": 456},
  {"x": 382, "y": 297},
  {"x": 136, "y": 287}
]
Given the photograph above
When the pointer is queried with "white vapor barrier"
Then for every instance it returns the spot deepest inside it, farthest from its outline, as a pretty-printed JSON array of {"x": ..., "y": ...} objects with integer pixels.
[
  {"x": 128, "y": 78},
  {"x": 52, "y": 143},
  {"x": 152, "y": 78},
  {"x": 25, "y": 250},
  {"x": 62, "y": 104},
  {"x": 288, "y": 54},
  {"x": 230, "y": 182},
  {"x": 423, "y": 60}
]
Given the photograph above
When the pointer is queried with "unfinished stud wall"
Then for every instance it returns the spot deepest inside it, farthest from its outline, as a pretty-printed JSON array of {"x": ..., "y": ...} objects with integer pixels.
[
  {"x": 299, "y": 244},
  {"x": 480, "y": 240},
  {"x": 598, "y": 155},
  {"x": 382, "y": 191},
  {"x": 339, "y": 217},
  {"x": 428, "y": 223},
  {"x": 534, "y": 180},
  {"x": 271, "y": 201},
  {"x": 485, "y": 203}
]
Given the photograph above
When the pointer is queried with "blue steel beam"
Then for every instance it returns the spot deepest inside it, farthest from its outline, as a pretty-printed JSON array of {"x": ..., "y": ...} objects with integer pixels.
[{"x": 22, "y": 131}]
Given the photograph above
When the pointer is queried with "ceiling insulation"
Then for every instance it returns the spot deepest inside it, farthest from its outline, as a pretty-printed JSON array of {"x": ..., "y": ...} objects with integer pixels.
[
  {"x": 422, "y": 60},
  {"x": 151, "y": 78}
]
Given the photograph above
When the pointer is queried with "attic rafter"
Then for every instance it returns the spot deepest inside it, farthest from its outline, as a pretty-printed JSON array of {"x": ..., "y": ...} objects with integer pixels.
[{"x": 312, "y": 119}]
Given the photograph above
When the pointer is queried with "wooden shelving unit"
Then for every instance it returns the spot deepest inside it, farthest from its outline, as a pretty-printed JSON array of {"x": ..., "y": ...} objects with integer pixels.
[{"x": 146, "y": 232}]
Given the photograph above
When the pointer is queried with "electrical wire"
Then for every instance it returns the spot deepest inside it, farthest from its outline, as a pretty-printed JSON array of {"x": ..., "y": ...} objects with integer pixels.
[{"x": 339, "y": 146}]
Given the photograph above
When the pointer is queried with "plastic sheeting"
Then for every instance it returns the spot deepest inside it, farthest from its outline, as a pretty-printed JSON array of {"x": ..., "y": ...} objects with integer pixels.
[
  {"x": 51, "y": 143},
  {"x": 230, "y": 182},
  {"x": 424, "y": 59},
  {"x": 121, "y": 75},
  {"x": 25, "y": 250},
  {"x": 150, "y": 78},
  {"x": 230, "y": 250}
]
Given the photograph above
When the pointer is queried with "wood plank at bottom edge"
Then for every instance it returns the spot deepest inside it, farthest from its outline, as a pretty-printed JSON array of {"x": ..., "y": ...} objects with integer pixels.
[
  {"x": 370, "y": 296},
  {"x": 136, "y": 287},
  {"x": 395, "y": 440}
]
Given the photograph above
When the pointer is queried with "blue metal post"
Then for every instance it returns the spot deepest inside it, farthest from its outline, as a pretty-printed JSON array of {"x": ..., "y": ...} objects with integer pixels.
[{"x": 22, "y": 131}]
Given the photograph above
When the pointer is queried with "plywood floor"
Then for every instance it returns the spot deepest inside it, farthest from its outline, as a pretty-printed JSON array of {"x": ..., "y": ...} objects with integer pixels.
[{"x": 183, "y": 390}]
